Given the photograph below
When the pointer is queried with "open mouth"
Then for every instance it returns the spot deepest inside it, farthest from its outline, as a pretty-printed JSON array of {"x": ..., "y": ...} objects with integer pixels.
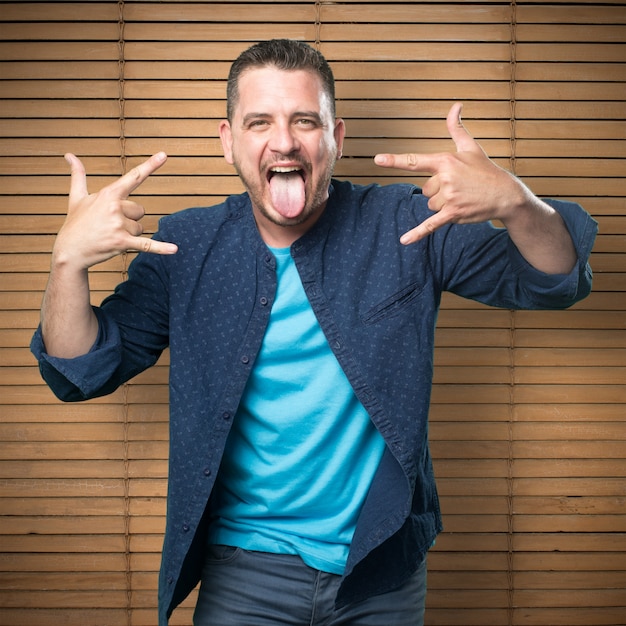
[
  {"x": 285, "y": 170},
  {"x": 287, "y": 189}
]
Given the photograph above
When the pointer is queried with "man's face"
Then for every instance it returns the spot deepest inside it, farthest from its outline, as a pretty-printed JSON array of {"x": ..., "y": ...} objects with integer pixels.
[{"x": 283, "y": 142}]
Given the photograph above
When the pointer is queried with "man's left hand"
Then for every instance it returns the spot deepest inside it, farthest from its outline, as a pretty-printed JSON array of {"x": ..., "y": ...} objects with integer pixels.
[{"x": 464, "y": 187}]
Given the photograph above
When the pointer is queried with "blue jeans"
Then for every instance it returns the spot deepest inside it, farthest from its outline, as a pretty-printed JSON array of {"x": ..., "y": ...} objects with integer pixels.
[{"x": 242, "y": 588}]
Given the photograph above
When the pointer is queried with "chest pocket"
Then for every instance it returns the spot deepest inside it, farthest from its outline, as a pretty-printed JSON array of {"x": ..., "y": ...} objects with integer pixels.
[{"x": 393, "y": 305}]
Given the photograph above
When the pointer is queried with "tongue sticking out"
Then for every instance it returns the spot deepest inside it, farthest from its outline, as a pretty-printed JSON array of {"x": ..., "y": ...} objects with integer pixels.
[{"x": 287, "y": 191}]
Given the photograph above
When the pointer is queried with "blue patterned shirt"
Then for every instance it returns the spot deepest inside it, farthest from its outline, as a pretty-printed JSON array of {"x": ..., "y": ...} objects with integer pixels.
[{"x": 377, "y": 303}]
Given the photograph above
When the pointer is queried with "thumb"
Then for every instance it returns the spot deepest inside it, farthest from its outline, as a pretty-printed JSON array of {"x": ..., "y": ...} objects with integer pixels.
[
  {"x": 462, "y": 139},
  {"x": 78, "y": 184}
]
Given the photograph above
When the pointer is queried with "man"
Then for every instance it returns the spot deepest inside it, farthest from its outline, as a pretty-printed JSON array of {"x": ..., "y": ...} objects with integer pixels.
[{"x": 300, "y": 321}]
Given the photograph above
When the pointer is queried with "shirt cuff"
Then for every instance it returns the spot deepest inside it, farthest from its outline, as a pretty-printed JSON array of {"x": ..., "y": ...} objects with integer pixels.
[
  {"x": 561, "y": 290},
  {"x": 85, "y": 376}
]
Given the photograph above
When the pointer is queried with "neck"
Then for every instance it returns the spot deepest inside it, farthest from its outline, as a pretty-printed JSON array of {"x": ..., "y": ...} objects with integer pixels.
[{"x": 284, "y": 235}]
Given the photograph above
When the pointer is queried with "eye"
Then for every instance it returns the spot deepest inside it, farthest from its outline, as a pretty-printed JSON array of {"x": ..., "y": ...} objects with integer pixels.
[
  {"x": 257, "y": 124},
  {"x": 306, "y": 122}
]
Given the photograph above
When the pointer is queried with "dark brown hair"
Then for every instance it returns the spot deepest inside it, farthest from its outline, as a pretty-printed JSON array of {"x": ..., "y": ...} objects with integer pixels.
[{"x": 284, "y": 54}]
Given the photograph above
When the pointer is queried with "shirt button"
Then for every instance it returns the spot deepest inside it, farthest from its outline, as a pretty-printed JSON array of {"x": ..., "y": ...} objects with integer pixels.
[
  {"x": 245, "y": 359},
  {"x": 263, "y": 300},
  {"x": 186, "y": 528},
  {"x": 226, "y": 415},
  {"x": 207, "y": 471}
]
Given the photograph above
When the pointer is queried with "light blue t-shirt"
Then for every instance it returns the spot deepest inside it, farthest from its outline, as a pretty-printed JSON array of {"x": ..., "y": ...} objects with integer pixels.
[{"x": 302, "y": 451}]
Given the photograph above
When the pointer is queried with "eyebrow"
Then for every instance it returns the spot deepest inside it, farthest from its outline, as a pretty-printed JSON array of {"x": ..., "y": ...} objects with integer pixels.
[
  {"x": 314, "y": 114},
  {"x": 254, "y": 115}
]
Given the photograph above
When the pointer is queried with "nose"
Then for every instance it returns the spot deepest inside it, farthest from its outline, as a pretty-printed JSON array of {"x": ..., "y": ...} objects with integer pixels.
[{"x": 283, "y": 139}]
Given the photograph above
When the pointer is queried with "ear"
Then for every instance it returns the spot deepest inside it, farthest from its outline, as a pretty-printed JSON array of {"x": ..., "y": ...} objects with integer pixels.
[
  {"x": 340, "y": 133},
  {"x": 226, "y": 137}
]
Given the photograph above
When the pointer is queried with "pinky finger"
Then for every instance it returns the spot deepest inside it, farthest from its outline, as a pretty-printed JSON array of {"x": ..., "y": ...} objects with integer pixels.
[
  {"x": 145, "y": 244},
  {"x": 427, "y": 227}
]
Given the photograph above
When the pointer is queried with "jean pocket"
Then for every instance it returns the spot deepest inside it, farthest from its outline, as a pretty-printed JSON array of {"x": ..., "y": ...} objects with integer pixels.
[{"x": 218, "y": 553}]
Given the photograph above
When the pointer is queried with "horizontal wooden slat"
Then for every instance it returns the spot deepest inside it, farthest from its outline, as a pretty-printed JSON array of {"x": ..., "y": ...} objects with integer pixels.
[
  {"x": 78, "y": 31},
  {"x": 601, "y": 33},
  {"x": 574, "y": 52},
  {"x": 59, "y": 51},
  {"x": 571, "y": 71},
  {"x": 572, "y": 14}
]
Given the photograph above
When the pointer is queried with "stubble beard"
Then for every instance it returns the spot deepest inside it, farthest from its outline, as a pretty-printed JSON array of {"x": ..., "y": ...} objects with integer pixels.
[{"x": 315, "y": 198}]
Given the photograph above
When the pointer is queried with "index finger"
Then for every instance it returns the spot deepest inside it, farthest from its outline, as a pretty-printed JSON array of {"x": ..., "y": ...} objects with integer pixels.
[
  {"x": 426, "y": 163},
  {"x": 126, "y": 184}
]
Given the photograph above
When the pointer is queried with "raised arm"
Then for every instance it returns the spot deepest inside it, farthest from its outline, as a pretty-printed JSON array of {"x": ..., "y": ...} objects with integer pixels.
[
  {"x": 98, "y": 227},
  {"x": 467, "y": 187}
]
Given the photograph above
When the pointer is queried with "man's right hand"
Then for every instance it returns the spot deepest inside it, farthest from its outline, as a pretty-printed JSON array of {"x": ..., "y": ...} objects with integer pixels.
[
  {"x": 98, "y": 227},
  {"x": 104, "y": 224}
]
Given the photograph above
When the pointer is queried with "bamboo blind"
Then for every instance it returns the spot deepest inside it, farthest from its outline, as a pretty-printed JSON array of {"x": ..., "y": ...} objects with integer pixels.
[{"x": 528, "y": 421}]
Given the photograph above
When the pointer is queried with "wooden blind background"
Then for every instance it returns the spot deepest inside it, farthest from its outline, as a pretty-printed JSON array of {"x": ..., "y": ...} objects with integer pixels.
[{"x": 528, "y": 420}]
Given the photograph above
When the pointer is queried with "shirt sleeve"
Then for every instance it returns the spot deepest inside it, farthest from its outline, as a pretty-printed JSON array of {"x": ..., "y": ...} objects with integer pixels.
[
  {"x": 132, "y": 332},
  {"x": 480, "y": 262},
  {"x": 87, "y": 376}
]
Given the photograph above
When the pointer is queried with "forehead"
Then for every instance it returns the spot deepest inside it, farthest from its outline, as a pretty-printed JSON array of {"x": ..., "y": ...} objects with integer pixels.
[{"x": 269, "y": 89}]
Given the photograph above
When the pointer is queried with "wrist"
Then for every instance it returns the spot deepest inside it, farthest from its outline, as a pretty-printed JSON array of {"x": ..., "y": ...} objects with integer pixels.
[
  {"x": 520, "y": 206},
  {"x": 67, "y": 260}
]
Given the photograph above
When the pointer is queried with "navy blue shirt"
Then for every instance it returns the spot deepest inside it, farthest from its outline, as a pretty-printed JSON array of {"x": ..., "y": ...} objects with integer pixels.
[{"x": 377, "y": 303}]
